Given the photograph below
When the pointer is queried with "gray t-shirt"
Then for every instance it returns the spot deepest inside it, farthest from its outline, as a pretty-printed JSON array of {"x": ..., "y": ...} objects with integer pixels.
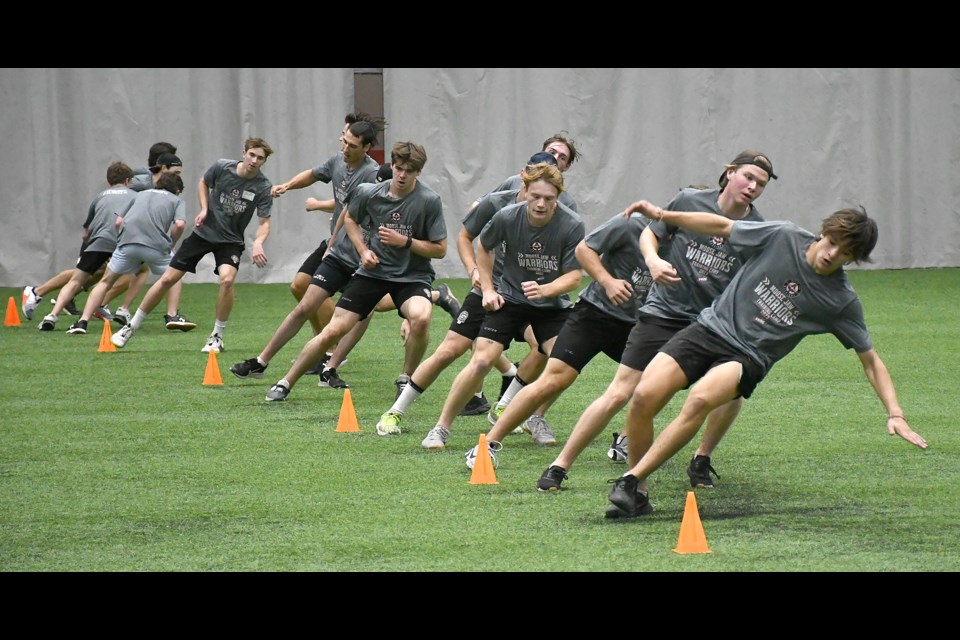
[
  {"x": 232, "y": 201},
  {"x": 147, "y": 220},
  {"x": 776, "y": 299},
  {"x": 419, "y": 215},
  {"x": 618, "y": 242},
  {"x": 101, "y": 218},
  {"x": 534, "y": 253},
  {"x": 515, "y": 182},
  {"x": 480, "y": 215},
  {"x": 705, "y": 265},
  {"x": 141, "y": 181},
  {"x": 336, "y": 172}
]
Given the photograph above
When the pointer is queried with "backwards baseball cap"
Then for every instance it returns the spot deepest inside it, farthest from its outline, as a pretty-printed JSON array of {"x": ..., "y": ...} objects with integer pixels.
[
  {"x": 385, "y": 173},
  {"x": 749, "y": 157},
  {"x": 166, "y": 160},
  {"x": 542, "y": 156}
]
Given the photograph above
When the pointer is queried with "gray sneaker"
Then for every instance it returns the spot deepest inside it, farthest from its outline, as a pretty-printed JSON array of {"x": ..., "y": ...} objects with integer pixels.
[
  {"x": 103, "y": 313},
  {"x": 618, "y": 450},
  {"x": 400, "y": 383},
  {"x": 277, "y": 393},
  {"x": 540, "y": 431},
  {"x": 436, "y": 438}
]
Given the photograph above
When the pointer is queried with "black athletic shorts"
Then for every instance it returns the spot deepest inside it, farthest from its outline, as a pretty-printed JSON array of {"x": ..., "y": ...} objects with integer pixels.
[{"x": 587, "y": 332}]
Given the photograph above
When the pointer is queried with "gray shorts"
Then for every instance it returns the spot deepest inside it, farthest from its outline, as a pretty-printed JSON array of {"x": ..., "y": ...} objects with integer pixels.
[{"x": 129, "y": 257}]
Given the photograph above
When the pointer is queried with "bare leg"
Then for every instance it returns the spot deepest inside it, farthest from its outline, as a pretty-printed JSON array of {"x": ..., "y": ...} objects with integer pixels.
[
  {"x": 558, "y": 377},
  {"x": 596, "y": 417}
]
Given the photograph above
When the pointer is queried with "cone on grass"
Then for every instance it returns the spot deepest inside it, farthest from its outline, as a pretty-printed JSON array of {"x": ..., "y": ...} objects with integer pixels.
[
  {"x": 348, "y": 414},
  {"x": 13, "y": 316},
  {"x": 212, "y": 374},
  {"x": 106, "y": 345},
  {"x": 692, "y": 537},
  {"x": 483, "y": 465}
]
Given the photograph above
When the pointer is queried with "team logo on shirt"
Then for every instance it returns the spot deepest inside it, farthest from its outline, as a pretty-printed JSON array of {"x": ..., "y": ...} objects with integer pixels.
[
  {"x": 536, "y": 246},
  {"x": 718, "y": 241},
  {"x": 395, "y": 216},
  {"x": 792, "y": 288}
]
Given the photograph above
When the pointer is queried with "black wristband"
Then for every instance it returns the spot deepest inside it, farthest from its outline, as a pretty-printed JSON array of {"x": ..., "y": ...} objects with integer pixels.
[{"x": 409, "y": 242}]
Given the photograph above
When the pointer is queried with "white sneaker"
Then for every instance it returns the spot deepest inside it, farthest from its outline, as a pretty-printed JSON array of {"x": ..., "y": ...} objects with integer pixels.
[
  {"x": 30, "y": 302},
  {"x": 436, "y": 438},
  {"x": 214, "y": 343},
  {"x": 119, "y": 339},
  {"x": 492, "y": 447}
]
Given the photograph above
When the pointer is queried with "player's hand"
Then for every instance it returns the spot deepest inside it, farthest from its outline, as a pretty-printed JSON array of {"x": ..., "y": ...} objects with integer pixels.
[
  {"x": 662, "y": 271},
  {"x": 277, "y": 190},
  {"x": 391, "y": 237},
  {"x": 369, "y": 259},
  {"x": 198, "y": 221},
  {"x": 619, "y": 291},
  {"x": 898, "y": 426},
  {"x": 531, "y": 290},
  {"x": 492, "y": 301},
  {"x": 259, "y": 257}
]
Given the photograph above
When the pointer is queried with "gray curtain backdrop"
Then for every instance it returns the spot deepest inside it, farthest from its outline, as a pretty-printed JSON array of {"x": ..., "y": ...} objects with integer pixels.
[{"x": 887, "y": 139}]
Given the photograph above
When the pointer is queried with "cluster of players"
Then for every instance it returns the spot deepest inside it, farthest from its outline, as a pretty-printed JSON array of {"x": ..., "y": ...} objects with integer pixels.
[{"x": 700, "y": 291}]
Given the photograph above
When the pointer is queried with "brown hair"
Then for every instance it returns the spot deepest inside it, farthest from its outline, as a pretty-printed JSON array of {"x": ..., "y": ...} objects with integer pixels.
[
  {"x": 565, "y": 139},
  {"x": 852, "y": 230},
  {"x": 118, "y": 173},
  {"x": 410, "y": 154},
  {"x": 171, "y": 182},
  {"x": 258, "y": 143}
]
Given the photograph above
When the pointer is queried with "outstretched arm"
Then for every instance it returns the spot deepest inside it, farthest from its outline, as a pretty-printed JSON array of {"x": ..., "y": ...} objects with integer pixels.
[
  {"x": 879, "y": 378},
  {"x": 708, "y": 224}
]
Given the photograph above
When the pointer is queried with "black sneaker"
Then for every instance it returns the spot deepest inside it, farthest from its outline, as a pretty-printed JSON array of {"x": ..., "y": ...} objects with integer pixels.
[
  {"x": 329, "y": 378},
  {"x": 613, "y": 511},
  {"x": 505, "y": 382},
  {"x": 401, "y": 383},
  {"x": 177, "y": 321},
  {"x": 80, "y": 326},
  {"x": 551, "y": 478},
  {"x": 699, "y": 472},
  {"x": 71, "y": 308},
  {"x": 447, "y": 302},
  {"x": 248, "y": 369},
  {"x": 476, "y": 406},
  {"x": 626, "y": 497}
]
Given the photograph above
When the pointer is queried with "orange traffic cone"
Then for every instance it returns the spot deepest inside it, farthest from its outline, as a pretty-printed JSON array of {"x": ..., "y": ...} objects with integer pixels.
[
  {"x": 212, "y": 374},
  {"x": 348, "y": 415},
  {"x": 105, "y": 344},
  {"x": 483, "y": 465},
  {"x": 692, "y": 537},
  {"x": 13, "y": 316}
]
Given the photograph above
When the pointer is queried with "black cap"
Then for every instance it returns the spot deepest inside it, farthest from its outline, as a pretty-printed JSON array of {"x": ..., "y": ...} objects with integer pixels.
[
  {"x": 385, "y": 173},
  {"x": 749, "y": 157},
  {"x": 166, "y": 160}
]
